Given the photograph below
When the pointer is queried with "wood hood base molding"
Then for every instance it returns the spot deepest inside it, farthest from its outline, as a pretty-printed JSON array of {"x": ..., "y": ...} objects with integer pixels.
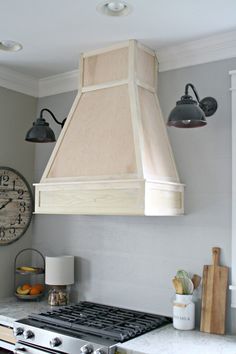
[
  {"x": 134, "y": 197},
  {"x": 113, "y": 156}
]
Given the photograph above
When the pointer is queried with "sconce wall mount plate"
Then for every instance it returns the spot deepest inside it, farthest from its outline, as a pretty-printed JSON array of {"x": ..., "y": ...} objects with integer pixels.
[{"x": 208, "y": 105}]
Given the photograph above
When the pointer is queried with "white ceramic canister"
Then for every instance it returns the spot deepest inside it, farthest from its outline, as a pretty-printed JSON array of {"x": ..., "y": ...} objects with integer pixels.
[{"x": 184, "y": 312}]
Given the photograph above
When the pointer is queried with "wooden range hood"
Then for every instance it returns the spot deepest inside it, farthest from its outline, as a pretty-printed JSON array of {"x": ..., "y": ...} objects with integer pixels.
[{"x": 113, "y": 155}]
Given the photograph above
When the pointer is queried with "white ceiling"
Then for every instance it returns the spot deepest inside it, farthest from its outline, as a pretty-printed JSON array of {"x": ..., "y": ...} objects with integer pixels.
[{"x": 54, "y": 32}]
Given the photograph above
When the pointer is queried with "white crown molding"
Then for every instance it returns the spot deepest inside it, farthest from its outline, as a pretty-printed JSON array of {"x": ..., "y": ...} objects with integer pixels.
[
  {"x": 29, "y": 85},
  {"x": 13, "y": 80},
  {"x": 53, "y": 85},
  {"x": 213, "y": 48}
]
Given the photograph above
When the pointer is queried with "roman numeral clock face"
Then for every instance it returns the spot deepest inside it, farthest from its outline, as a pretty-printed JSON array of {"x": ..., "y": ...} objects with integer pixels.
[{"x": 16, "y": 205}]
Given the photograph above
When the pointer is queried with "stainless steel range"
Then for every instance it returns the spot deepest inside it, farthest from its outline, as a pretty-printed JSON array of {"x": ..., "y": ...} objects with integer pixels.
[{"x": 84, "y": 328}]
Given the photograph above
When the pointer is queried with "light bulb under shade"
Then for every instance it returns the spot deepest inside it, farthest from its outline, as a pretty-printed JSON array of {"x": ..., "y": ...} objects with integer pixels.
[
  {"x": 187, "y": 115},
  {"x": 59, "y": 270}
]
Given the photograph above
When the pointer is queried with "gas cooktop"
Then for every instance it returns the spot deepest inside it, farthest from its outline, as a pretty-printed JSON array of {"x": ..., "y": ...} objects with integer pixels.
[
  {"x": 102, "y": 320},
  {"x": 94, "y": 324}
]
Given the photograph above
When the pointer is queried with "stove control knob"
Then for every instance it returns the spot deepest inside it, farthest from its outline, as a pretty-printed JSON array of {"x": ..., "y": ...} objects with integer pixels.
[
  {"x": 86, "y": 349},
  {"x": 55, "y": 342},
  {"x": 99, "y": 351},
  {"x": 18, "y": 331},
  {"x": 28, "y": 334}
]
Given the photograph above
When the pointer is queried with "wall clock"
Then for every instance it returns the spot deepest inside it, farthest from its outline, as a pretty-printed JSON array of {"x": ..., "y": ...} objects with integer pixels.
[{"x": 16, "y": 205}]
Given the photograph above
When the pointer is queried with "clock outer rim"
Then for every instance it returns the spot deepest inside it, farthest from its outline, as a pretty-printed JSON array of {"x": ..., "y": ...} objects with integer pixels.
[{"x": 31, "y": 200}]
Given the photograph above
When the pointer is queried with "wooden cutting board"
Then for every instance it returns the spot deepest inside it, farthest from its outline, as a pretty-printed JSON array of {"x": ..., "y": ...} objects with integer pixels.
[{"x": 214, "y": 294}]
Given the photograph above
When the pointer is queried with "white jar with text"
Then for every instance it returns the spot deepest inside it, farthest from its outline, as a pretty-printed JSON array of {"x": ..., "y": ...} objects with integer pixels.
[{"x": 184, "y": 312}]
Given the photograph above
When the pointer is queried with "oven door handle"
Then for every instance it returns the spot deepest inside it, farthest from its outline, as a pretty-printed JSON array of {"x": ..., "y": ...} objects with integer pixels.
[{"x": 22, "y": 348}]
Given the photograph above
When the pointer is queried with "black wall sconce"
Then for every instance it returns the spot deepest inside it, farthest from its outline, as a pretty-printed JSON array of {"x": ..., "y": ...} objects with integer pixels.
[
  {"x": 189, "y": 113},
  {"x": 41, "y": 132}
]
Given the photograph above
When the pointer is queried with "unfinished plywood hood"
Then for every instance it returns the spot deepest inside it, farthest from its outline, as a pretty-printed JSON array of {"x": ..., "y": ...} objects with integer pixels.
[{"x": 113, "y": 155}]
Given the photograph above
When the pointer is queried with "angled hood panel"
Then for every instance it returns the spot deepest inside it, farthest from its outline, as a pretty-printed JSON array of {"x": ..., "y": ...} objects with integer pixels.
[{"x": 103, "y": 142}]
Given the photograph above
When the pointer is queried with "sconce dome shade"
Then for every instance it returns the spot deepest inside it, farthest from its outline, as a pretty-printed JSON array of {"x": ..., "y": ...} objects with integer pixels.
[
  {"x": 186, "y": 114},
  {"x": 40, "y": 132}
]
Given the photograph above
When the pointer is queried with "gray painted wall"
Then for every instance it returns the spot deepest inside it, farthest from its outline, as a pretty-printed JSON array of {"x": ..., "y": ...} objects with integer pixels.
[
  {"x": 130, "y": 261},
  {"x": 17, "y": 112}
]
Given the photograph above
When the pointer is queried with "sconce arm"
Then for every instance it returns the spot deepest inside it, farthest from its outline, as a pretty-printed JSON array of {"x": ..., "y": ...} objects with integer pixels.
[
  {"x": 53, "y": 116},
  {"x": 194, "y": 90}
]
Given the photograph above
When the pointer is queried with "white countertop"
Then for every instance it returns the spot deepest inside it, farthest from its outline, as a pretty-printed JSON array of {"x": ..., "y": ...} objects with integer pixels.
[
  {"x": 168, "y": 340},
  {"x": 12, "y": 309},
  {"x": 165, "y": 340}
]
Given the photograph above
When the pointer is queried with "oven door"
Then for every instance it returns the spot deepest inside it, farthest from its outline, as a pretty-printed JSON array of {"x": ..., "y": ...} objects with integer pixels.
[{"x": 22, "y": 348}]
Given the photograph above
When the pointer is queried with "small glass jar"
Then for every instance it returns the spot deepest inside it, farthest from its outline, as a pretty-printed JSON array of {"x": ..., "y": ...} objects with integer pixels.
[
  {"x": 184, "y": 312},
  {"x": 58, "y": 296}
]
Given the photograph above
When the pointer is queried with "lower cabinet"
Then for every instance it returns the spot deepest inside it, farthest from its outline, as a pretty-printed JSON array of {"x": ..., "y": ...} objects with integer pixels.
[{"x": 7, "y": 340}]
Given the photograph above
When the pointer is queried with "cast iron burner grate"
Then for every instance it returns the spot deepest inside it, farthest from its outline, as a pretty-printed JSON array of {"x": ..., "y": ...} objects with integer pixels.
[{"x": 102, "y": 320}]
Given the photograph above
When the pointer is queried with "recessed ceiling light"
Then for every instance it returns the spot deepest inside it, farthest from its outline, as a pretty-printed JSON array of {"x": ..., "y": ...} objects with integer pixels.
[
  {"x": 10, "y": 46},
  {"x": 114, "y": 8}
]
